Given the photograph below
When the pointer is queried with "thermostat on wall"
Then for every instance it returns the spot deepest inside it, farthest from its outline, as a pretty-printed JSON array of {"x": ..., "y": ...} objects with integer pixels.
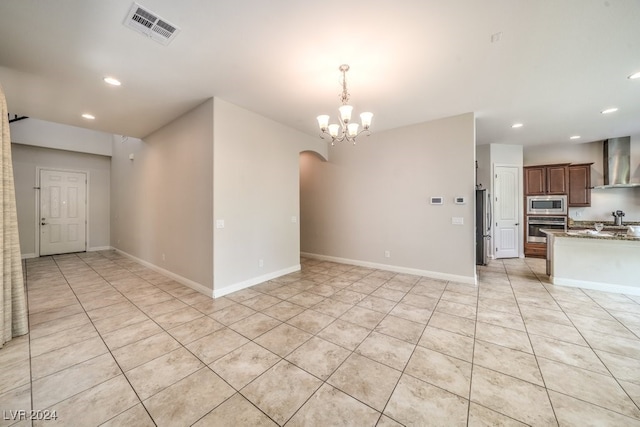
[
  {"x": 437, "y": 201},
  {"x": 459, "y": 200}
]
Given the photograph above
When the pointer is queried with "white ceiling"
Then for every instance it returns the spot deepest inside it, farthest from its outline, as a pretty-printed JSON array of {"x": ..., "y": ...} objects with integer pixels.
[{"x": 556, "y": 66}]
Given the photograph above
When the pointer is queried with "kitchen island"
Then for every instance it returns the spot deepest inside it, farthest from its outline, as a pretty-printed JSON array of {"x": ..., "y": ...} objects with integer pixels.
[{"x": 607, "y": 261}]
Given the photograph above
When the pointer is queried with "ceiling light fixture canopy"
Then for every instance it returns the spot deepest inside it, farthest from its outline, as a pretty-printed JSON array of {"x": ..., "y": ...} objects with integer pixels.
[{"x": 346, "y": 129}]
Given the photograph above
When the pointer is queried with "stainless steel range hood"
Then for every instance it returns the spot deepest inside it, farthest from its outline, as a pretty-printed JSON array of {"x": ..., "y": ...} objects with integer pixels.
[{"x": 617, "y": 163}]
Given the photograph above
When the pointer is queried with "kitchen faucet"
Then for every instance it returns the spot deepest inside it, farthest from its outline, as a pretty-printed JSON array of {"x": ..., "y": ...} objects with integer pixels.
[{"x": 617, "y": 217}]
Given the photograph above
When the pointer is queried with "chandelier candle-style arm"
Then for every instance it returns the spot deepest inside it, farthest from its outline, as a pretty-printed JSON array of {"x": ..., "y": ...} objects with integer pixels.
[{"x": 345, "y": 129}]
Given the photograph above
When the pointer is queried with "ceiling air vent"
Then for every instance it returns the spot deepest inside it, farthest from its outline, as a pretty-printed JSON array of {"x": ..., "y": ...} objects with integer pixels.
[{"x": 150, "y": 24}]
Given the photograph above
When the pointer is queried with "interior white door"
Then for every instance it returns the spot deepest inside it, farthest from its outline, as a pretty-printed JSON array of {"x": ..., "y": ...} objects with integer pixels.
[
  {"x": 506, "y": 203},
  {"x": 63, "y": 210}
]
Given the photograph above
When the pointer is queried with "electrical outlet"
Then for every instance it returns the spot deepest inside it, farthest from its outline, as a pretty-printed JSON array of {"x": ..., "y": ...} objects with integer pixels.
[
  {"x": 387, "y": 254},
  {"x": 294, "y": 219},
  {"x": 163, "y": 257},
  {"x": 261, "y": 263},
  {"x": 220, "y": 223}
]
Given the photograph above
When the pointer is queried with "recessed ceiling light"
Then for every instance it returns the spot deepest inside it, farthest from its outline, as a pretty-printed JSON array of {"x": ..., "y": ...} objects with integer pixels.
[
  {"x": 88, "y": 116},
  {"x": 609, "y": 110},
  {"x": 516, "y": 125},
  {"x": 575, "y": 137},
  {"x": 112, "y": 81},
  {"x": 634, "y": 76}
]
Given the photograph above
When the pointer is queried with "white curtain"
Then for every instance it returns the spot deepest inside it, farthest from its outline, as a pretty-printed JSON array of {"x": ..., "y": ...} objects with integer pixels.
[{"x": 13, "y": 307}]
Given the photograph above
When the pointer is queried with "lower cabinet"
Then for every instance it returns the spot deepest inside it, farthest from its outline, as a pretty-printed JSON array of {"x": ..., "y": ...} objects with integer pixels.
[{"x": 535, "y": 250}]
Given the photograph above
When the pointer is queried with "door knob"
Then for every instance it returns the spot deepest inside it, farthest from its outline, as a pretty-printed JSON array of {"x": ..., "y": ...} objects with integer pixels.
[
  {"x": 43, "y": 223},
  {"x": 517, "y": 223}
]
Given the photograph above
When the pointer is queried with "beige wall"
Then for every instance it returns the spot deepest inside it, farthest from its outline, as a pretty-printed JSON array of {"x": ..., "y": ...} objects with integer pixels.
[
  {"x": 162, "y": 201},
  {"x": 26, "y": 159},
  {"x": 603, "y": 202},
  {"x": 63, "y": 137},
  {"x": 256, "y": 194},
  {"x": 374, "y": 197}
]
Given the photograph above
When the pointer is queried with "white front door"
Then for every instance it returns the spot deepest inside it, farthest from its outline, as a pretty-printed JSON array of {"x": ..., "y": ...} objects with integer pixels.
[
  {"x": 506, "y": 203},
  {"x": 63, "y": 209}
]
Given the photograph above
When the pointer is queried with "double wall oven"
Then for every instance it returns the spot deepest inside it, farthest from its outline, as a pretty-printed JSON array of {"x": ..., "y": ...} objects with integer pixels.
[{"x": 545, "y": 212}]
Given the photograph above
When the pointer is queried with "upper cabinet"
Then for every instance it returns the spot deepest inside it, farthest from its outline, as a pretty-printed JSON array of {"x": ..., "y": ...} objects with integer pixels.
[
  {"x": 546, "y": 179},
  {"x": 557, "y": 179},
  {"x": 534, "y": 180},
  {"x": 580, "y": 185}
]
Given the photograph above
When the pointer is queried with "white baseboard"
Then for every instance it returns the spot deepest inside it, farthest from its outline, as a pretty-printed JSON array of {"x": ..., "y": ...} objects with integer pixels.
[
  {"x": 93, "y": 249},
  {"x": 254, "y": 281},
  {"x": 471, "y": 280},
  {"x": 99, "y": 248},
  {"x": 187, "y": 282},
  {"x": 596, "y": 286}
]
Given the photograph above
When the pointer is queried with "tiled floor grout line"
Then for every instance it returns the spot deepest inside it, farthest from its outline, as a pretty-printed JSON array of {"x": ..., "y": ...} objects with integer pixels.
[
  {"x": 283, "y": 358},
  {"x": 105, "y": 344},
  {"x": 345, "y": 359},
  {"x": 473, "y": 352},
  {"x": 533, "y": 350},
  {"x": 181, "y": 345},
  {"x": 26, "y": 296},
  {"x": 598, "y": 356},
  {"x": 100, "y": 334},
  {"x": 101, "y": 337},
  {"x": 164, "y": 330},
  {"x": 588, "y": 346},
  {"x": 412, "y": 352}
]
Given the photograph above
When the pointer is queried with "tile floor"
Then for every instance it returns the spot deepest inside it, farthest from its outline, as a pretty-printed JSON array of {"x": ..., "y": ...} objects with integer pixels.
[{"x": 114, "y": 343}]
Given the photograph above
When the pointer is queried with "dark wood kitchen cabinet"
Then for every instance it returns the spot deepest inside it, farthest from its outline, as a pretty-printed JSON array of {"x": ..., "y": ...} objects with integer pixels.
[
  {"x": 535, "y": 250},
  {"x": 534, "y": 180},
  {"x": 546, "y": 179},
  {"x": 580, "y": 185}
]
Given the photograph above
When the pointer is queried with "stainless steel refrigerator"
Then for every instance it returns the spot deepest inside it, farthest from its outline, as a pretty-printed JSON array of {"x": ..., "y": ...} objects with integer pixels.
[{"x": 483, "y": 226}]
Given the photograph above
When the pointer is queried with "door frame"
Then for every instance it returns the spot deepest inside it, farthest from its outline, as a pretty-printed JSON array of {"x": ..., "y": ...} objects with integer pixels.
[
  {"x": 37, "y": 205},
  {"x": 520, "y": 207}
]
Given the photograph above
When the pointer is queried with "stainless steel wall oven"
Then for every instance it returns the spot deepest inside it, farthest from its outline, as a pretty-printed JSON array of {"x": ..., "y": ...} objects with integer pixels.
[{"x": 537, "y": 223}]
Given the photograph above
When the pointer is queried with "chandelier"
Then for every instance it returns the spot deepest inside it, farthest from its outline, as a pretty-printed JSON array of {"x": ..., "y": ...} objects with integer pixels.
[{"x": 346, "y": 129}]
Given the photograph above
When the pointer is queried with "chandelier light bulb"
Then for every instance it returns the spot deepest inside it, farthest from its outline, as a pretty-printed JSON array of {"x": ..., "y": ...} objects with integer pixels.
[
  {"x": 365, "y": 118},
  {"x": 345, "y": 129},
  {"x": 345, "y": 113},
  {"x": 323, "y": 122}
]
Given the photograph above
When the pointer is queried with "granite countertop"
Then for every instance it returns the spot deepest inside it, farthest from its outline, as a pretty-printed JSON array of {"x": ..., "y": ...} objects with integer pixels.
[
  {"x": 608, "y": 225},
  {"x": 590, "y": 234}
]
